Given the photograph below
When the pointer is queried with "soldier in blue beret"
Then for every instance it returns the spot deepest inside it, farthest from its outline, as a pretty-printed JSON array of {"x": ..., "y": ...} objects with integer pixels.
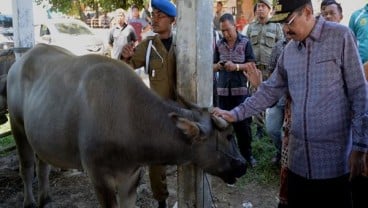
[
  {"x": 164, "y": 6},
  {"x": 156, "y": 54}
]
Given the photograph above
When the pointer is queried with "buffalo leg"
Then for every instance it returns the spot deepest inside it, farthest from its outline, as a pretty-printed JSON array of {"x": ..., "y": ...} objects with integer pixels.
[
  {"x": 43, "y": 171},
  {"x": 26, "y": 162},
  {"x": 104, "y": 191},
  {"x": 127, "y": 189}
]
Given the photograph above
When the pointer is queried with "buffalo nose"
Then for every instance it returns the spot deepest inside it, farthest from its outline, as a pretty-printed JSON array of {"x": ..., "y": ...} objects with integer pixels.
[{"x": 239, "y": 167}]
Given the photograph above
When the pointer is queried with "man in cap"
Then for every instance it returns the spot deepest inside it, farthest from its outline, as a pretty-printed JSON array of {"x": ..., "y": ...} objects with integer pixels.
[
  {"x": 263, "y": 35},
  {"x": 161, "y": 69},
  {"x": 321, "y": 70}
]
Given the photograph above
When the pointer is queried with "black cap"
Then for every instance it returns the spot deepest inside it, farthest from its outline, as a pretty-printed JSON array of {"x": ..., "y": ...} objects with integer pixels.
[{"x": 283, "y": 8}]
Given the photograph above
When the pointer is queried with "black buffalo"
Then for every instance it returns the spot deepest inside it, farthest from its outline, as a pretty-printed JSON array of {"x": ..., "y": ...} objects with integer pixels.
[{"x": 94, "y": 113}]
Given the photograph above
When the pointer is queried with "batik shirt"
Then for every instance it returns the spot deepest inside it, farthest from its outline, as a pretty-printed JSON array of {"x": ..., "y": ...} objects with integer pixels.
[
  {"x": 233, "y": 83},
  {"x": 329, "y": 100}
]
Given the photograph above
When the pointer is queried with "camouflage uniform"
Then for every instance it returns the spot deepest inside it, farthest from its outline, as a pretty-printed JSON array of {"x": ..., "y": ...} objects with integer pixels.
[{"x": 263, "y": 38}]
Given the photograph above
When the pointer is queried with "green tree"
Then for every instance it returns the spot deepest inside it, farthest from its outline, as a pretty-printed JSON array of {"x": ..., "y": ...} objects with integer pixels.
[{"x": 77, "y": 7}]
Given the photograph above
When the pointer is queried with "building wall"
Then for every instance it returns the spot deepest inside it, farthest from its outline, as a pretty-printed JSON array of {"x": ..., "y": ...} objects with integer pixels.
[{"x": 242, "y": 10}]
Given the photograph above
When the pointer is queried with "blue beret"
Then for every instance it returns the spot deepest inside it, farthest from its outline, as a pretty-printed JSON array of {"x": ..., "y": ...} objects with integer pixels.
[{"x": 164, "y": 6}]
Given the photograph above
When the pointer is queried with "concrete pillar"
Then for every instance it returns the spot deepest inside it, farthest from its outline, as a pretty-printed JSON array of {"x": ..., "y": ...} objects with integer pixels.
[{"x": 195, "y": 79}]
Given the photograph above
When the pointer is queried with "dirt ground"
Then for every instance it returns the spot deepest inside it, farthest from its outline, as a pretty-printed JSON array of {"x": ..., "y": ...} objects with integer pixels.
[{"x": 71, "y": 189}]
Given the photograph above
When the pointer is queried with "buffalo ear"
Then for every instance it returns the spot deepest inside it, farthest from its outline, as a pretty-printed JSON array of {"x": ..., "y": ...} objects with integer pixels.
[{"x": 188, "y": 127}]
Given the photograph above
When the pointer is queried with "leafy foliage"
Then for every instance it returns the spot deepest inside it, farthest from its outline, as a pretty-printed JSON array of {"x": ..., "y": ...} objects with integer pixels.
[
  {"x": 6, "y": 142},
  {"x": 265, "y": 172},
  {"x": 77, "y": 7}
]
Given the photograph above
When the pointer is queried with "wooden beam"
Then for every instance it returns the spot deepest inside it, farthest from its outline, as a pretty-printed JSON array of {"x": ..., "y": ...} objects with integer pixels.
[
  {"x": 195, "y": 79},
  {"x": 23, "y": 26}
]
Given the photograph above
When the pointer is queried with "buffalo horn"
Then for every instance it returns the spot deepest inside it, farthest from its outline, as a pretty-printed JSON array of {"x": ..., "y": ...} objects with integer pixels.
[{"x": 220, "y": 122}]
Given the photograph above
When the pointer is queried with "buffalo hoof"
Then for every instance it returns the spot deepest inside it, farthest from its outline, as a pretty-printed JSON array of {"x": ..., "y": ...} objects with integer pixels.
[{"x": 46, "y": 202}]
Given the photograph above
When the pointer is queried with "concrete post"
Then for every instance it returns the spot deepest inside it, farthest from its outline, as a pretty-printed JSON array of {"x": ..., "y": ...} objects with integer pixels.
[
  {"x": 23, "y": 26},
  {"x": 195, "y": 80}
]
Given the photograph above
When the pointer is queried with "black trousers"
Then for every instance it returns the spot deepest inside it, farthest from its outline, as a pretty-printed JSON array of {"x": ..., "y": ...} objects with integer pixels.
[
  {"x": 360, "y": 192},
  {"x": 214, "y": 96},
  {"x": 306, "y": 193},
  {"x": 242, "y": 129}
]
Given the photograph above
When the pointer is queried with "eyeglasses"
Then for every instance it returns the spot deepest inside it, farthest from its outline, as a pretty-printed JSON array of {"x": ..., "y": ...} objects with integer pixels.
[{"x": 290, "y": 21}]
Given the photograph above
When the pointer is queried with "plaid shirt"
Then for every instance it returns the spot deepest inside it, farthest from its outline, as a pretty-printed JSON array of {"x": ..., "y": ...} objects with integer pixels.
[
  {"x": 233, "y": 83},
  {"x": 329, "y": 100}
]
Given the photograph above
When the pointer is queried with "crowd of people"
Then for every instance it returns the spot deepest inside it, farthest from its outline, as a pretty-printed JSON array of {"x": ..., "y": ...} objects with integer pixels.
[
  {"x": 300, "y": 73},
  {"x": 127, "y": 28}
]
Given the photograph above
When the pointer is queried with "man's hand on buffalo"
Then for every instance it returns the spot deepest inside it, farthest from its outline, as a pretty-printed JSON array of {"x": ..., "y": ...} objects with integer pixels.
[{"x": 227, "y": 115}]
